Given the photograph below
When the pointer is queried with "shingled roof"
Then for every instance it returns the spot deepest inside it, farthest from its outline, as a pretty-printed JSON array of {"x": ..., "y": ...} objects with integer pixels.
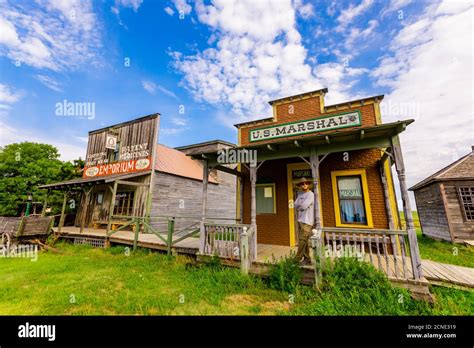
[{"x": 462, "y": 169}]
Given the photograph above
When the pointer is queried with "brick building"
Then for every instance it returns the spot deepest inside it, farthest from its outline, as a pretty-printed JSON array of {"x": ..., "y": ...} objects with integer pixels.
[{"x": 345, "y": 150}]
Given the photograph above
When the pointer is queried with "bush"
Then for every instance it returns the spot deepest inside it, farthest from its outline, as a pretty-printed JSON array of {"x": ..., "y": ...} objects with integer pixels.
[{"x": 285, "y": 274}]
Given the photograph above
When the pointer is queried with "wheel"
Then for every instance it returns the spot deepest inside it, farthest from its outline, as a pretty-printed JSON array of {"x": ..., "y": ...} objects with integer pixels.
[{"x": 5, "y": 241}]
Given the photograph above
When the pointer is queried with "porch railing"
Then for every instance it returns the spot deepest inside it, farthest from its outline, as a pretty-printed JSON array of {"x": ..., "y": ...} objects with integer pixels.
[
  {"x": 225, "y": 240},
  {"x": 385, "y": 249}
]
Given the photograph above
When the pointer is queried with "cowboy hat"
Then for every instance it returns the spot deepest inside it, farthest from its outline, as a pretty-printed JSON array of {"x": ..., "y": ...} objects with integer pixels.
[{"x": 303, "y": 180}]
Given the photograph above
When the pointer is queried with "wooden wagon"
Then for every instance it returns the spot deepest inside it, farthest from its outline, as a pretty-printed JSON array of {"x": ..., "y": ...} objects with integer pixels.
[{"x": 24, "y": 230}]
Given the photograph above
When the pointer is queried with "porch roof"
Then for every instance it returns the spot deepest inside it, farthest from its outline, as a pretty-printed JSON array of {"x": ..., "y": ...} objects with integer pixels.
[
  {"x": 80, "y": 182},
  {"x": 378, "y": 136}
]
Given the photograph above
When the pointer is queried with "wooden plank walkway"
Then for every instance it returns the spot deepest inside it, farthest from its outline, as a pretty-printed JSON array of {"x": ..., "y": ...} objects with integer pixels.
[{"x": 435, "y": 272}]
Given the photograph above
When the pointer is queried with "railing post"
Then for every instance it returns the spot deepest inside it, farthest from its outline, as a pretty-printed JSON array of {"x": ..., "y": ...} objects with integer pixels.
[
  {"x": 244, "y": 251},
  {"x": 202, "y": 237},
  {"x": 316, "y": 244},
  {"x": 137, "y": 231},
  {"x": 170, "y": 235}
]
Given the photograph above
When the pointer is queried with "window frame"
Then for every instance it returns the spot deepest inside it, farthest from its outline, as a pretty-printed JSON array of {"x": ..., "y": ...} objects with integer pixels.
[
  {"x": 129, "y": 206},
  {"x": 461, "y": 202},
  {"x": 365, "y": 197},
  {"x": 274, "y": 198}
]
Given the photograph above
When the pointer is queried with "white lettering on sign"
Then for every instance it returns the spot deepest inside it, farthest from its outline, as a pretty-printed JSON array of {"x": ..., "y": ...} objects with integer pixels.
[{"x": 350, "y": 119}]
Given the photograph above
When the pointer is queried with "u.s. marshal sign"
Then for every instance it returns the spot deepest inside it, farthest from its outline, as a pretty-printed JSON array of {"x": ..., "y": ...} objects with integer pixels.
[{"x": 349, "y": 119}]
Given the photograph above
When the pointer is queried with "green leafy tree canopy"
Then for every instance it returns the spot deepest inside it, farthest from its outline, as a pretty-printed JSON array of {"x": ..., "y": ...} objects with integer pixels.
[{"x": 24, "y": 167}]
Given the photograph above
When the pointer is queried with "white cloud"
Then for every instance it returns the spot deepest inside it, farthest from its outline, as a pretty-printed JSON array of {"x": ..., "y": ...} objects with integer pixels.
[
  {"x": 133, "y": 4},
  {"x": 50, "y": 82},
  {"x": 152, "y": 87},
  {"x": 430, "y": 74},
  {"x": 48, "y": 34},
  {"x": 149, "y": 86},
  {"x": 305, "y": 10},
  {"x": 182, "y": 6},
  {"x": 67, "y": 151},
  {"x": 179, "y": 121},
  {"x": 353, "y": 11},
  {"x": 8, "y": 96},
  {"x": 169, "y": 10},
  {"x": 258, "y": 55}
]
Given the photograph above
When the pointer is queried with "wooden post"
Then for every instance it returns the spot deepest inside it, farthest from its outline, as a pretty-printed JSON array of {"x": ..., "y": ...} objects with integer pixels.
[
  {"x": 63, "y": 210},
  {"x": 84, "y": 209},
  {"x": 400, "y": 167},
  {"x": 43, "y": 212},
  {"x": 111, "y": 207},
  {"x": 316, "y": 244},
  {"x": 137, "y": 231},
  {"x": 202, "y": 237},
  {"x": 169, "y": 241},
  {"x": 314, "y": 161},
  {"x": 253, "y": 207},
  {"x": 205, "y": 180},
  {"x": 241, "y": 193},
  {"x": 383, "y": 177},
  {"x": 244, "y": 251}
]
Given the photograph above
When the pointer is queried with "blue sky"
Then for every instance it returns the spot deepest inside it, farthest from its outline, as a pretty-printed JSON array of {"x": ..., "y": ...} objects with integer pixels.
[{"x": 207, "y": 65}]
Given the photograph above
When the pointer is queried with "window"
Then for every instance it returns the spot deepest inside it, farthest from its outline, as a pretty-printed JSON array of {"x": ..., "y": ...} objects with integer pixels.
[
  {"x": 124, "y": 203},
  {"x": 466, "y": 196},
  {"x": 266, "y": 203},
  {"x": 351, "y": 198},
  {"x": 100, "y": 197}
]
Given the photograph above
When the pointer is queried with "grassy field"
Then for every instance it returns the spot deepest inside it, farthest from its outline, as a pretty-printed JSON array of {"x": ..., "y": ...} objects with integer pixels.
[
  {"x": 85, "y": 281},
  {"x": 430, "y": 249}
]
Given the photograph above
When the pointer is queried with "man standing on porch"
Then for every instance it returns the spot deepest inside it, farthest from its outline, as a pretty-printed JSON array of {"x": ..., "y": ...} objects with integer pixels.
[{"x": 304, "y": 205}]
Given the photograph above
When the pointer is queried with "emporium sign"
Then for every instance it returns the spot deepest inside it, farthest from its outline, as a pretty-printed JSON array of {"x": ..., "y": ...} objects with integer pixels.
[
  {"x": 122, "y": 167},
  {"x": 350, "y": 119},
  {"x": 130, "y": 159}
]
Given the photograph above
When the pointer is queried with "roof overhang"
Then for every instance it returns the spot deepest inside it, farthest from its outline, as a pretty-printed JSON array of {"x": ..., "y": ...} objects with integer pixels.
[
  {"x": 82, "y": 182},
  {"x": 378, "y": 136}
]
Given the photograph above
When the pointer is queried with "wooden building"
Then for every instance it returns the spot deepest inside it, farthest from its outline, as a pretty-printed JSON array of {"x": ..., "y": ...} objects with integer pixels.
[
  {"x": 347, "y": 152},
  {"x": 445, "y": 201},
  {"x": 128, "y": 174}
]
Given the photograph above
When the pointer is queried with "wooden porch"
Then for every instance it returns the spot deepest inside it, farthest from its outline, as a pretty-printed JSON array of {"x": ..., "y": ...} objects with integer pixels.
[{"x": 434, "y": 272}]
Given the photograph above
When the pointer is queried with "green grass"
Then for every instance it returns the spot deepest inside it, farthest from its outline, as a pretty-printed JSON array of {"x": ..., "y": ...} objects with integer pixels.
[
  {"x": 108, "y": 282},
  {"x": 440, "y": 251}
]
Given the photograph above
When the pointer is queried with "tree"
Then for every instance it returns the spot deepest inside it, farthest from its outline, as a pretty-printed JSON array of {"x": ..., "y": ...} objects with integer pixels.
[{"x": 24, "y": 167}]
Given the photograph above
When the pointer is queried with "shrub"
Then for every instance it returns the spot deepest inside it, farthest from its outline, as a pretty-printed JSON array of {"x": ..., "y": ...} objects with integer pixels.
[{"x": 285, "y": 274}]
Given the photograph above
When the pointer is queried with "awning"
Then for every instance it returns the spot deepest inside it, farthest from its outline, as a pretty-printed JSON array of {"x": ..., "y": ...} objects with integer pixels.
[
  {"x": 378, "y": 136},
  {"x": 81, "y": 182}
]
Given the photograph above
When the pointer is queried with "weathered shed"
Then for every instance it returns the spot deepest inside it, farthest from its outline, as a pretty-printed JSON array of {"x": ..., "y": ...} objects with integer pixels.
[{"x": 445, "y": 201}]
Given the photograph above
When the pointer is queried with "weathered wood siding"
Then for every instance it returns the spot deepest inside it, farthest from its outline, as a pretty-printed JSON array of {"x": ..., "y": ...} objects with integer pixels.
[
  {"x": 461, "y": 229},
  {"x": 135, "y": 132},
  {"x": 430, "y": 206},
  {"x": 182, "y": 198},
  {"x": 100, "y": 212}
]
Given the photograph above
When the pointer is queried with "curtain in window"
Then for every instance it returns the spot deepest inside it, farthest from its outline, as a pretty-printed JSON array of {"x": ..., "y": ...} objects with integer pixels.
[{"x": 351, "y": 200}]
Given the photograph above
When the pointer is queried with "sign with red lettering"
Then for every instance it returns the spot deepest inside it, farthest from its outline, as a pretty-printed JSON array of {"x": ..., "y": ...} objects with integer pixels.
[{"x": 123, "y": 167}]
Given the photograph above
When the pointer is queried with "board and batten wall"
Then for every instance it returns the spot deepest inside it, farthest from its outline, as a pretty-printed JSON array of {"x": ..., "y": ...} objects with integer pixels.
[
  {"x": 182, "y": 198},
  {"x": 430, "y": 206},
  {"x": 460, "y": 228},
  {"x": 440, "y": 211}
]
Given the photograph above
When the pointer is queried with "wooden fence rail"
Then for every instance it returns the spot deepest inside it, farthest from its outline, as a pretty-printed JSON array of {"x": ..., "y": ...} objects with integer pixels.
[
  {"x": 386, "y": 250},
  {"x": 225, "y": 240}
]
